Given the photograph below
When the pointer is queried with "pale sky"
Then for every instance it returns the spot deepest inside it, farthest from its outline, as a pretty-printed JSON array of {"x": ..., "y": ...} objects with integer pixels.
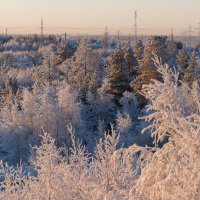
[{"x": 92, "y": 16}]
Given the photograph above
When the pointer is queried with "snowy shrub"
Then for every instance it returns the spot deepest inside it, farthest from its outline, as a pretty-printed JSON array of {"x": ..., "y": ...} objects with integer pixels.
[
  {"x": 14, "y": 183},
  {"x": 127, "y": 121},
  {"x": 124, "y": 122},
  {"x": 130, "y": 104}
]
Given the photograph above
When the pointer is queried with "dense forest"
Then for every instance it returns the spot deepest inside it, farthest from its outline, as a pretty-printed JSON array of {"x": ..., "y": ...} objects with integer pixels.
[{"x": 99, "y": 118}]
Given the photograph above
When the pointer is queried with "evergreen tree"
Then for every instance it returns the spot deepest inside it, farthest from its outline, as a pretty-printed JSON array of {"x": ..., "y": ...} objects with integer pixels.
[
  {"x": 48, "y": 69},
  {"x": 117, "y": 74},
  {"x": 172, "y": 50},
  {"x": 130, "y": 61},
  {"x": 139, "y": 50},
  {"x": 63, "y": 52},
  {"x": 181, "y": 60},
  {"x": 156, "y": 45},
  {"x": 179, "y": 45},
  {"x": 84, "y": 65},
  {"x": 190, "y": 74}
]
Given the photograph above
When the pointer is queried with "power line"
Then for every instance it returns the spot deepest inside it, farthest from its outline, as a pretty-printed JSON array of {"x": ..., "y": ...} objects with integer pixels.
[
  {"x": 172, "y": 41},
  {"x": 118, "y": 40}
]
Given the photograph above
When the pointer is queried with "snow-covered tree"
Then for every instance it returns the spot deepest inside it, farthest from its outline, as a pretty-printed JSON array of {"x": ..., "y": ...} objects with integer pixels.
[
  {"x": 191, "y": 73},
  {"x": 130, "y": 61},
  {"x": 127, "y": 120},
  {"x": 29, "y": 106},
  {"x": 117, "y": 75},
  {"x": 124, "y": 122},
  {"x": 69, "y": 112},
  {"x": 156, "y": 45},
  {"x": 14, "y": 183},
  {"x": 172, "y": 171},
  {"x": 12, "y": 134},
  {"x": 63, "y": 52},
  {"x": 46, "y": 159},
  {"x": 181, "y": 60},
  {"x": 84, "y": 66},
  {"x": 139, "y": 50}
]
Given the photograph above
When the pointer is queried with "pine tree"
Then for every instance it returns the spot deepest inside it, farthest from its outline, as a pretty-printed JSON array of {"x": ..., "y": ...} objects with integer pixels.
[
  {"x": 47, "y": 71},
  {"x": 63, "y": 52},
  {"x": 156, "y": 45},
  {"x": 181, "y": 60},
  {"x": 172, "y": 50},
  {"x": 190, "y": 74},
  {"x": 117, "y": 74},
  {"x": 84, "y": 65},
  {"x": 130, "y": 61},
  {"x": 139, "y": 50}
]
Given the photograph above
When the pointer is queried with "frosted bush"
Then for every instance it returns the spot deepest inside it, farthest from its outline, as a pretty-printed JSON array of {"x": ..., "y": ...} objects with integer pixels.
[{"x": 124, "y": 122}]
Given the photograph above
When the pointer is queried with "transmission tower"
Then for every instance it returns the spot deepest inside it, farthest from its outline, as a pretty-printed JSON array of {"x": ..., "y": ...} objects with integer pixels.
[
  {"x": 172, "y": 35},
  {"x": 184, "y": 36},
  {"x": 172, "y": 41},
  {"x": 42, "y": 27},
  {"x": 129, "y": 40},
  {"x": 118, "y": 39},
  {"x": 135, "y": 26},
  {"x": 106, "y": 38},
  {"x": 189, "y": 33},
  {"x": 65, "y": 36},
  {"x": 198, "y": 28}
]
